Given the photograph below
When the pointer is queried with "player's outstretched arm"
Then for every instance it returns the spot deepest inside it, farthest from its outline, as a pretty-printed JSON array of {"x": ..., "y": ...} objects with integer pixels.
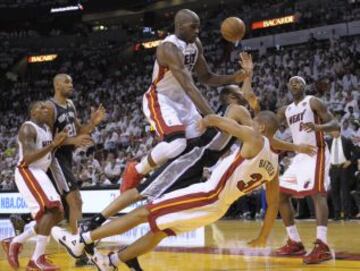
[
  {"x": 252, "y": 140},
  {"x": 272, "y": 199},
  {"x": 287, "y": 146},
  {"x": 27, "y": 137},
  {"x": 168, "y": 55},
  {"x": 206, "y": 76},
  {"x": 329, "y": 123}
]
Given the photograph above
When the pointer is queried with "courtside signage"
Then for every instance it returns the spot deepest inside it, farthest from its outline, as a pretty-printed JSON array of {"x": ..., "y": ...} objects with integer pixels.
[{"x": 273, "y": 22}]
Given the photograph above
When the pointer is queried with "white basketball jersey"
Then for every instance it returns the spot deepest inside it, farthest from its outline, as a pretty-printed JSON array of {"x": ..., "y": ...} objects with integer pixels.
[
  {"x": 296, "y": 115},
  {"x": 241, "y": 176},
  {"x": 163, "y": 79},
  {"x": 43, "y": 138}
]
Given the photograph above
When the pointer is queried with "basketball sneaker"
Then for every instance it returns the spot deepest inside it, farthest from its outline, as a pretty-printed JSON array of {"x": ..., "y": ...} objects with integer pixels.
[
  {"x": 103, "y": 262},
  {"x": 12, "y": 251},
  {"x": 41, "y": 264},
  {"x": 291, "y": 248},
  {"x": 131, "y": 178},
  {"x": 74, "y": 244},
  {"x": 320, "y": 253}
]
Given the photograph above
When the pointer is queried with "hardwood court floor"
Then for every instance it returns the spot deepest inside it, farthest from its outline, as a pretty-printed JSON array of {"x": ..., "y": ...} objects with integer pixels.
[{"x": 225, "y": 250}]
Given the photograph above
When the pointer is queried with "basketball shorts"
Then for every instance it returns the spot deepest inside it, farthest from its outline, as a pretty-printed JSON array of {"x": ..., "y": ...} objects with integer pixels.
[
  {"x": 60, "y": 173},
  {"x": 307, "y": 175},
  {"x": 37, "y": 190},
  {"x": 170, "y": 117},
  {"x": 187, "y": 168},
  {"x": 186, "y": 209}
]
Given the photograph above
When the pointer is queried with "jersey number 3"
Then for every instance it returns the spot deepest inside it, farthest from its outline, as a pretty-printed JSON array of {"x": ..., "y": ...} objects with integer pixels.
[{"x": 256, "y": 180}]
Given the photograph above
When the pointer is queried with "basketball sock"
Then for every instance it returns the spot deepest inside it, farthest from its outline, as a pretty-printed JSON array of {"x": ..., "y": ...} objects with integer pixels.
[
  {"x": 21, "y": 238},
  {"x": 143, "y": 167},
  {"x": 293, "y": 233},
  {"x": 114, "y": 258},
  {"x": 40, "y": 246},
  {"x": 321, "y": 233},
  {"x": 86, "y": 237}
]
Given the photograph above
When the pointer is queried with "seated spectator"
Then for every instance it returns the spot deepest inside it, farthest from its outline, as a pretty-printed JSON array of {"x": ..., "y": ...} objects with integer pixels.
[{"x": 112, "y": 168}]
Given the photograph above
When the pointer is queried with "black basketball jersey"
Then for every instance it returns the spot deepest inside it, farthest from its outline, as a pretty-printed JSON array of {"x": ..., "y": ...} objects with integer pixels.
[{"x": 65, "y": 117}]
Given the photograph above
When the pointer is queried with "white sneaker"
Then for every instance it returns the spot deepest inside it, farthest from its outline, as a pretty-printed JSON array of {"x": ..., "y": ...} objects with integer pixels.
[
  {"x": 103, "y": 262},
  {"x": 72, "y": 243}
]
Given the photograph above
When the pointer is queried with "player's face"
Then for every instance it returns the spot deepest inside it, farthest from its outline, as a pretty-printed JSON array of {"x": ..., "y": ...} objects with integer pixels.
[
  {"x": 190, "y": 31},
  {"x": 296, "y": 86},
  {"x": 42, "y": 112},
  {"x": 66, "y": 87}
]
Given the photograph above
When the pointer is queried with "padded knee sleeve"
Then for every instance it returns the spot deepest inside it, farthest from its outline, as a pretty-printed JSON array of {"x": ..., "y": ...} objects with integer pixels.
[{"x": 168, "y": 150}]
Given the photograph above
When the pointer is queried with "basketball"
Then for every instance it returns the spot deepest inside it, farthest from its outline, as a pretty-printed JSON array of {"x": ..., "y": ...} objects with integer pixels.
[{"x": 233, "y": 29}]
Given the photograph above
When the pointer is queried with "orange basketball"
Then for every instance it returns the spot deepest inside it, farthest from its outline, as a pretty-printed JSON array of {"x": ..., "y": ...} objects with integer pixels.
[{"x": 233, "y": 29}]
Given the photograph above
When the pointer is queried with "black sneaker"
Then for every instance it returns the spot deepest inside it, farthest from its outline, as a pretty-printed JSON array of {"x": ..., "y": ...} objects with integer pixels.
[
  {"x": 83, "y": 261},
  {"x": 18, "y": 223}
]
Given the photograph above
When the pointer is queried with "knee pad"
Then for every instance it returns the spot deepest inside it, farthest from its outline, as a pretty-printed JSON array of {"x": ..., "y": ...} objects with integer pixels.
[{"x": 168, "y": 150}]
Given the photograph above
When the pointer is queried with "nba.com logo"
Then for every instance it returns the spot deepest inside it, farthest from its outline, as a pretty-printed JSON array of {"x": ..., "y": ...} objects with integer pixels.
[{"x": 12, "y": 203}]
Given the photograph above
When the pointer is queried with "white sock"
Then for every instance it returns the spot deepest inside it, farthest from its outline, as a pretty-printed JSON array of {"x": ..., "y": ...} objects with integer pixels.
[
  {"x": 114, "y": 258},
  {"x": 321, "y": 233},
  {"x": 21, "y": 238},
  {"x": 40, "y": 246},
  {"x": 293, "y": 233},
  {"x": 143, "y": 167},
  {"x": 87, "y": 238}
]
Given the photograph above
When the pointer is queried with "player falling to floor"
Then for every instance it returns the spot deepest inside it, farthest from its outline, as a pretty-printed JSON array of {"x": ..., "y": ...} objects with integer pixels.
[
  {"x": 187, "y": 168},
  {"x": 202, "y": 203},
  {"x": 172, "y": 102},
  {"x": 308, "y": 119},
  {"x": 35, "y": 154}
]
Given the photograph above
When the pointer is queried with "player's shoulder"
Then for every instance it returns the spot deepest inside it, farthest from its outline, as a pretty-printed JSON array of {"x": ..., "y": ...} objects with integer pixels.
[{"x": 71, "y": 103}]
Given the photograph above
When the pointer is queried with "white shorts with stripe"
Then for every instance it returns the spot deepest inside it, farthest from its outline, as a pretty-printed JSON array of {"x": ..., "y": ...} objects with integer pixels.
[
  {"x": 307, "y": 175},
  {"x": 37, "y": 190},
  {"x": 188, "y": 208},
  {"x": 170, "y": 116}
]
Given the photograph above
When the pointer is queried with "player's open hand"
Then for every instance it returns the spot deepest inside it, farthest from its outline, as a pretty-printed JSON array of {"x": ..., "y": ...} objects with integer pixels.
[
  {"x": 246, "y": 62},
  {"x": 59, "y": 139},
  {"x": 201, "y": 126},
  {"x": 307, "y": 149},
  {"x": 98, "y": 115},
  {"x": 83, "y": 140},
  {"x": 309, "y": 127},
  {"x": 257, "y": 243}
]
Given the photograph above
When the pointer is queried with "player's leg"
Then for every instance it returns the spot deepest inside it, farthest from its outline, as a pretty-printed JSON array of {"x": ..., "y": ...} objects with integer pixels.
[
  {"x": 76, "y": 245},
  {"x": 321, "y": 251},
  {"x": 129, "y": 255},
  {"x": 120, "y": 203},
  {"x": 294, "y": 245},
  {"x": 73, "y": 199},
  {"x": 163, "y": 115}
]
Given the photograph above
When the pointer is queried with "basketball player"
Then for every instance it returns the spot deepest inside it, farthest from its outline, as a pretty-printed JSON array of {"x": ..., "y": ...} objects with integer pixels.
[
  {"x": 172, "y": 102},
  {"x": 246, "y": 169},
  {"x": 308, "y": 119},
  {"x": 35, "y": 154},
  {"x": 187, "y": 168},
  {"x": 65, "y": 118}
]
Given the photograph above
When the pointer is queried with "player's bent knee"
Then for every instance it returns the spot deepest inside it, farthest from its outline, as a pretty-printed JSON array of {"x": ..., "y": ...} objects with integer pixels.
[{"x": 176, "y": 147}]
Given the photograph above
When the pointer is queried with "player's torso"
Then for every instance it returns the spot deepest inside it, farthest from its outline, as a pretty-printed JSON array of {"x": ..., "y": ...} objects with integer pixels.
[
  {"x": 163, "y": 79},
  {"x": 296, "y": 116},
  {"x": 241, "y": 176},
  {"x": 43, "y": 138},
  {"x": 65, "y": 121}
]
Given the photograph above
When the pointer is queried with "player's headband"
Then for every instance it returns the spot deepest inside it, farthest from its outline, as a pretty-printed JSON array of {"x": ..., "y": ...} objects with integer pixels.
[{"x": 302, "y": 80}]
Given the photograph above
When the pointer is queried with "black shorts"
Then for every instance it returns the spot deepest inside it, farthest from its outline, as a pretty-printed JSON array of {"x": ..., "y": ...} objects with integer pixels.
[
  {"x": 60, "y": 173},
  {"x": 187, "y": 168}
]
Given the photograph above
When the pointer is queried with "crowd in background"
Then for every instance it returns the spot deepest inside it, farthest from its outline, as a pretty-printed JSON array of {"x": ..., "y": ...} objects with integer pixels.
[{"x": 331, "y": 69}]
